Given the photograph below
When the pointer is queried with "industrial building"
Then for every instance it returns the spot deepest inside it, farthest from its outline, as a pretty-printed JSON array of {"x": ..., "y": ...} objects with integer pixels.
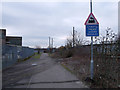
[{"x": 11, "y": 50}]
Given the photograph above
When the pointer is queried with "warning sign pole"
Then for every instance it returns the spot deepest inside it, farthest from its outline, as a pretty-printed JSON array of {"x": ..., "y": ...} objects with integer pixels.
[
  {"x": 91, "y": 66},
  {"x": 91, "y": 6}
]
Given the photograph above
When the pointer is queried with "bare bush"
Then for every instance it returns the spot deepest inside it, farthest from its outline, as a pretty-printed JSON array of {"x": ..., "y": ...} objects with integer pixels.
[
  {"x": 106, "y": 60},
  {"x": 77, "y": 40}
]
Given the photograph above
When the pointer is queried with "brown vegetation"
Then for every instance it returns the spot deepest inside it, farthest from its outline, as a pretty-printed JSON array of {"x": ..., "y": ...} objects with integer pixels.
[{"x": 106, "y": 61}]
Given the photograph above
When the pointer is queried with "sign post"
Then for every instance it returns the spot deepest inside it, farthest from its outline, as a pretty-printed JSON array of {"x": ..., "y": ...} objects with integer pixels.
[{"x": 92, "y": 29}]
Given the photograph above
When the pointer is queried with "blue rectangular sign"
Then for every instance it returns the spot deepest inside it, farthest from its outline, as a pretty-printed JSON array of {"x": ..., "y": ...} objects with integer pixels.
[{"x": 92, "y": 30}]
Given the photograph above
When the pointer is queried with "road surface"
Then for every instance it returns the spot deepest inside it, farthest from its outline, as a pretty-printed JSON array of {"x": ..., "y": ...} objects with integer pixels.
[{"x": 43, "y": 72}]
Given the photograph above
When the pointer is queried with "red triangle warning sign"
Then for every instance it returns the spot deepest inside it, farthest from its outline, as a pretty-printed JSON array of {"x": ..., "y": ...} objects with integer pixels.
[{"x": 91, "y": 20}]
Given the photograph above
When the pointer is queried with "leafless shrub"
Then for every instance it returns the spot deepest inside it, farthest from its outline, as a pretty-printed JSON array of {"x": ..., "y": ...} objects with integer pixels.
[
  {"x": 106, "y": 59},
  {"x": 78, "y": 40}
]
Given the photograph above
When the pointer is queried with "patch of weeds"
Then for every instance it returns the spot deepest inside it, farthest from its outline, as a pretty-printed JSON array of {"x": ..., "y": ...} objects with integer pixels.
[
  {"x": 26, "y": 58},
  {"x": 67, "y": 69},
  {"x": 37, "y": 56}
]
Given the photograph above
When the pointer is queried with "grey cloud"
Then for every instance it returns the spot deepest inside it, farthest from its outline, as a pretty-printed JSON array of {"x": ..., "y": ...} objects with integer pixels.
[{"x": 37, "y": 21}]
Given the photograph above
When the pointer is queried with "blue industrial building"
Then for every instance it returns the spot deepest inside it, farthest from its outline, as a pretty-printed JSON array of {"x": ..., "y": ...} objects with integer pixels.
[{"x": 11, "y": 49}]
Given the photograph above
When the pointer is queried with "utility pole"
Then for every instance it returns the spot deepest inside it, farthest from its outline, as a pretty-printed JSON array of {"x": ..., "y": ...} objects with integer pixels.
[
  {"x": 49, "y": 44},
  {"x": 91, "y": 67},
  {"x": 52, "y": 44},
  {"x": 73, "y": 37}
]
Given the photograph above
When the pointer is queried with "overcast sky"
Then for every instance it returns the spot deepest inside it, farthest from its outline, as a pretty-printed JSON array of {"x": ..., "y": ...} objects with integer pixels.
[{"x": 36, "y": 21}]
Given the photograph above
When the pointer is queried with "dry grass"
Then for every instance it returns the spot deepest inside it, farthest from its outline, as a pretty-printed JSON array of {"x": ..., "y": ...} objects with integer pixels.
[{"x": 105, "y": 74}]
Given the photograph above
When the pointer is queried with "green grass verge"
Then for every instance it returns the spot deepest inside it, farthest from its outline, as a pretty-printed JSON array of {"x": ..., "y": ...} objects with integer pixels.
[
  {"x": 67, "y": 69},
  {"x": 37, "y": 56},
  {"x": 19, "y": 60}
]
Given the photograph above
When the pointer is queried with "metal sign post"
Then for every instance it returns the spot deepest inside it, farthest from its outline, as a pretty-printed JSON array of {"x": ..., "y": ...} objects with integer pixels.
[
  {"x": 92, "y": 29},
  {"x": 91, "y": 66}
]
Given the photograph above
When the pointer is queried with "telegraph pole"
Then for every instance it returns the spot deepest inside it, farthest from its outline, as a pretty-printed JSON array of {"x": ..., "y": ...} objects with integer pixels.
[
  {"x": 52, "y": 44},
  {"x": 91, "y": 67},
  {"x": 49, "y": 44},
  {"x": 73, "y": 37}
]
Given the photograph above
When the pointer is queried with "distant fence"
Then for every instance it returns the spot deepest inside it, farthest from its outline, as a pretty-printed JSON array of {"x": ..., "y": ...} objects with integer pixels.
[{"x": 12, "y": 54}]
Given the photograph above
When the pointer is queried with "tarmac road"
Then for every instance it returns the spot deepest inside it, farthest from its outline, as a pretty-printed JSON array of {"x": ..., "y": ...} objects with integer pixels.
[{"x": 46, "y": 74}]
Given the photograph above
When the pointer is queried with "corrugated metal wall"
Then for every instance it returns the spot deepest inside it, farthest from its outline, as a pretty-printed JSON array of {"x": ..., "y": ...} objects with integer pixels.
[{"x": 13, "y": 54}]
